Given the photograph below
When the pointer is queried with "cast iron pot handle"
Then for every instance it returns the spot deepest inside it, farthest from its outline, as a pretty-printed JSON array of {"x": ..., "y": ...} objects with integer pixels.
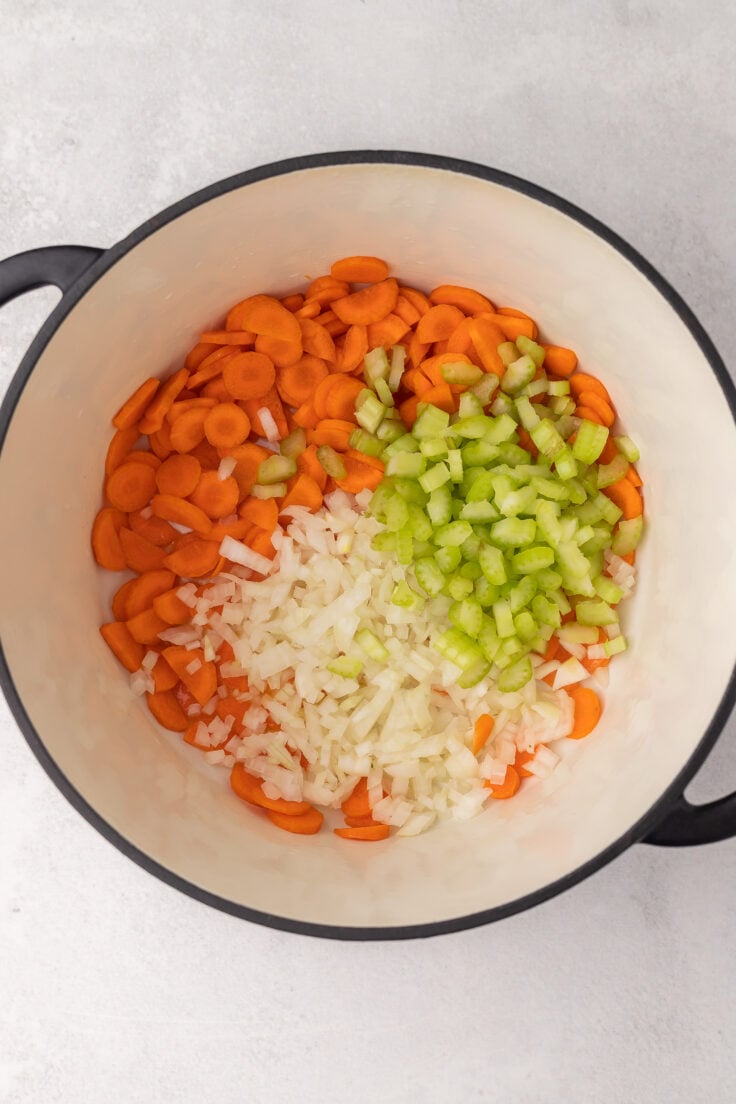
[
  {"x": 61, "y": 265},
  {"x": 687, "y": 824}
]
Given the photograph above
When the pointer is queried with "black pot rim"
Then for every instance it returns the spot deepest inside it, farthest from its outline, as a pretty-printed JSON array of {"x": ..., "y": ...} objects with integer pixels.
[{"x": 674, "y": 791}]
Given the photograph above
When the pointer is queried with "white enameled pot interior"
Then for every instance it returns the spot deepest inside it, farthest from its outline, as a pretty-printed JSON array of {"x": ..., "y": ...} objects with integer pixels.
[{"x": 142, "y": 316}]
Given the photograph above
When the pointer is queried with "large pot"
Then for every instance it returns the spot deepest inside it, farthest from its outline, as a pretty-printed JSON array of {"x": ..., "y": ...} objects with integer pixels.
[{"x": 133, "y": 311}]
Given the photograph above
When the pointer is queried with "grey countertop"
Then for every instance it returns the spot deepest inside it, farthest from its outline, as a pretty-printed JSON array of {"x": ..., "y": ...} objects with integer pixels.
[{"x": 115, "y": 987}]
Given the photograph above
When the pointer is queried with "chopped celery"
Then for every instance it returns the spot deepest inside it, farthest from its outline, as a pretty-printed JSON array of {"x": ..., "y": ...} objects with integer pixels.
[
  {"x": 478, "y": 512},
  {"x": 384, "y": 392},
  {"x": 578, "y": 634},
  {"x": 548, "y": 525},
  {"x": 294, "y": 443},
  {"x": 473, "y": 427},
  {"x": 627, "y": 448},
  {"x": 448, "y": 559},
  {"x": 518, "y": 502},
  {"x": 371, "y": 645},
  {"x": 526, "y": 626},
  {"x": 384, "y": 541},
  {"x": 610, "y": 512},
  {"x": 615, "y": 646},
  {"x": 548, "y": 579},
  {"x": 419, "y": 524},
  {"x": 504, "y": 618},
  {"x": 508, "y": 352},
  {"x": 584, "y": 534},
  {"x": 521, "y": 594},
  {"x": 486, "y": 593},
  {"x": 431, "y": 422},
  {"x": 407, "y": 598},
  {"x": 485, "y": 388},
  {"x": 331, "y": 461},
  {"x": 453, "y": 534},
  {"x": 601, "y": 539},
  {"x": 404, "y": 546},
  {"x": 550, "y": 488},
  {"x": 273, "y": 490},
  {"x": 405, "y": 443},
  {"x": 397, "y": 514},
  {"x": 509, "y": 453},
  {"x": 611, "y": 473},
  {"x": 492, "y": 564},
  {"x": 514, "y": 532},
  {"x": 410, "y": 491},
  {"x": 545, "y": 611},
  {"x": 531, "y": 348},
  {"x": 606, "y": 589},
  {"x": 376, "y": 365},
  {"x": 365, "y": 442},
  {"x": 468, "y": 616},
  {"x": 502, "y": 404},
  {"x": 396, "y": 371},
  {"x": 595, "y": 613},
  {"x": 488, "y": 639},
  {"x": 471, "y": 570},
  {"x": 566, "y": 425},
  {"x": 547, "y": 439},
  {"x": 588, "y": 513},
  {"x": 515, "y": 676},
  {"x": 408, "y": 464},
  {"x": 473, "y": 675},
  {"x": 276, "y": 469},
  {"x": 518, "y": 374},
  {"x": 456, "y": 646},
  {"x": 390, "y": 430},
  {"x": 571, "y": 559},
  {"x": 434, "y": 477},
  {"x": 562, "y": 405},
  {"x": 576, "y": 491},
  {"x": 455, "y": 464},
  {"x": 528, "y": 417},
  {"x": 536, "y": 387},
  {"x": 458, "y": 587},
  {"x": 558, "y": 597},
  {"x": 566, "y": 465},
  {"x": 627, "y": 536},
  {"x": 469, "y": 405},
  {"x": 590, "y": 441},
  {"x": 434, "y": 448},
  {"x": 346, "y": 667},
  {"x": 422, "y": 548},
  {"x": 439, "y": 506},
  {"x": 371, "y": 413},
  {"x": 533, "y": 559},
  {"x": 479, "y": 486},
  {"x": 501, "y": 429},
  {"x": 380, "y": 499},
  {"x": 558, "y": 388},
  {"x": 429, "y": 576}
]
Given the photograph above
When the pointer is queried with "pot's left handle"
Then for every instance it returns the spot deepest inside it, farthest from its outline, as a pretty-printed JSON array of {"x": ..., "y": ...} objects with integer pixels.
[{"x": 61, "y": 265}]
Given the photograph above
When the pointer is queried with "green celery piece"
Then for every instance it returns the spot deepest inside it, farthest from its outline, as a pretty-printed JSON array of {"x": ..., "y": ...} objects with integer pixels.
[
  {"x": 294, "y": 443},
  {"x": 627, "y": 536},
  {"x": 492, "y": 564},
  {"x": 410, "y": 465},
  {"x": 434, "y": 448},
  {"x": 600, "y": 540},
  {"x": 346, "y": 667},
  {"x": 566, "y": 465},
  {"x": 397, "y": 514},
  {"x": 550, "y": 488},
  {"x": 407, "y": 598},
  {"x": 627, "y": 448},
  {"x": 504, "y": 618},
  {"x": 410, "y": 491},
  {"x": 595, "y": 613},
  {"x": 470, "y": 405},
  {"x": 371, "y": 414},
  {"x": 558, "y": 388},
  {"x": 470, "y": 548},
  {"x": 486, "y": 593},
  {"x": 578, "y": 634},
  {"x": 548, "y": 524},
  {"x": 547, "y": 579},
  {"x": 534, "y": 559},
  {"x": 478, "y": 512},
  {"x": 448, "y": 559},
  {"x": 458, "y": 647},
  {"x": 531, "y": 349},
  {"x": 526, "y": 626},
  {"x": 272, "y": 490},
  {"x": 576, "y": 491},
  {"x": 454, "y": 533},
  {"x": 482, "y": 486},
  {"x": 522, "y": 501},
  {"x": 615, "y": 646},
  {"x": 611, "y": 473},
  {"x": 589, "y": 442},
  {"x": 527, "y": 415},
  {"x": 371, "y": 645},
  {"x": 472, "y": 571},
  {"x": 606, "y": 589},
  {"x": 405, "y": 546},
  {"x": 439, "y": 506},
  {"x": 521, "y": 594},
  {"x": 514, "y": 455},
  {"x": 396, "y": 371},
  {"x": 485, "y": 388},
  {"x": 474, "y": 674},
  {"x": 431, "y": 422},
  {"x": 473, "y": 428},
  {"x": 518, "y": 374},
  {"x": 502, "y": 404},
  {"x": 571, "y": 559},
  {"x": 455, "y": 464},
  {"x": 419, "y": 524},
  {"x": 468, "y": 616},
  {"x": 610, "y": 512},
  {"x": 331, "y": 461},
  {"x": 428, "y": 576},
  {"x": 479, "y": 453},
  {"x": 547, "y": 439},
  {"x": 405, "y": 443},
  {"x": 276, "y": 469},
  {"x": 514, "y": 532},
  {"x": 434, "y": 477},
  {"x": 545, "y": 611},
  {"x": 501, "y": 429},
  {"x": 516, "y": 676},
  {"x": 376, "y": 365},
  {"x": 458, "y": 587},
  {"x": 384, "y": 392},
  {"x": 384, "y": 541},
  {"x": 390, "y": 430},
  {"x": 365, "y": 442},
  {"x": 508, "y": 352}
]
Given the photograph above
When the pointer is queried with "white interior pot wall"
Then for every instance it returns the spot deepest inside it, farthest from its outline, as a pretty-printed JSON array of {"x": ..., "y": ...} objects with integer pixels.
[{"x": 141, "y": 317}]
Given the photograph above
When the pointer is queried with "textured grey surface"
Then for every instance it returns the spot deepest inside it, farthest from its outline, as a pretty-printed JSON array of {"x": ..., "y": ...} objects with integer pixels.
[{"x": 115, "y": 987}]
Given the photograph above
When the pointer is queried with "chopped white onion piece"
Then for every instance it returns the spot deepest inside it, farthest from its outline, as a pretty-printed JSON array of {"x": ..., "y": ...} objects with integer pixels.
[
  {"x": 270, "y": 429},
  {"x": 226, "y": 467}
]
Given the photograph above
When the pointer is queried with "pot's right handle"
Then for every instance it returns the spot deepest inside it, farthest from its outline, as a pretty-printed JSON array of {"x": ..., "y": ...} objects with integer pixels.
[
  {"x": 686, "y": 824},
  {"x": 61, "y": 265}
]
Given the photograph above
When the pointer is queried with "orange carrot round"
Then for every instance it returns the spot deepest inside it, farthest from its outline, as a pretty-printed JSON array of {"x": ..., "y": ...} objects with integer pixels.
[
  {"x": 581, "y": 381},
  {"x": 371, "y": 832},
  {"x": 214, "y": 496},
  {"x": 167, "y": 711},
  {"x": 282, "y": 353},
  {"x": 360, "y": 270},
  {"x": 264, "y": 315},
  {"x": 508, "y": 787},
  {"x": 145, "y": 627},
  {"x": 181, "y": 511},
  {"x": 302, "y": 491},
  {"x": 308, "y": 824},
  {"x": 588, "y": 711},
  {"x": 140, "y": 554},
  {"x": 226, "y": 425},
  {"x": 465, "y": 299},
  {"x": 202, "y": 683},
  {"x": 122, "y": 645},
  {"x": 130, "y": 487},
  {"x": 438, "y": 323},
  {"x": 248, "y": 375},
  {"x": 119, "y": 602},
  {"x": 132, "y": 410},
  {"x": 188, "y": 429},
  {"x": 387, "y": 332},
  {"x": 316, "y": 340},
  {"x": 120, "y": 445},
  {"x": 145, "y": 588},
  {"x": 371, "y": 304},
  {"x": 297, "y": 382},
  {"x": 106, "y": 546},
  {"x": 593, "y": 401},
  {"x": 560, "y": 361},
  {"x": 178, "y": 475},
  {"x": 626, "y": 496},
  {"x": 156, "y": 410}
]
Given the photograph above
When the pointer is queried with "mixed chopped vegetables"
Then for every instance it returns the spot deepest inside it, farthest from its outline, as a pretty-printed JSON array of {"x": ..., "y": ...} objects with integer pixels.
[{"x": 379, "y": 542}]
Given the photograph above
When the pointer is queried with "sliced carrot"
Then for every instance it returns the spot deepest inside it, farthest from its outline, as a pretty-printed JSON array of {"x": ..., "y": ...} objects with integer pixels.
[
  {"x": 325, "y": 289},
  {"x": 414, "y": 380},
  {"x": 308, "y": 824},
  {"x": 508, "y": 787},
  {"x": 160, "y": 441},
  {"x": 322, "y": 390},
  {"x": 441, "y": 396},
  {"x": 130, "y": 487},
  {"x": 226, "y": 425},
  {"x": 208, "y": 456},
  {"x": 302, "y": 491},
  {"x": 406, "y": 310},
  {"x": 593, "y": 401},
  {"x": 120, "y": 445},
  {"x": 119, "y": 602},
  {"x": 145, "y": 588},
  {"x": 408, "y": 411},
  {"x": 167, "y": 711},
  {"x": 310, "y": 309},
  {"x": 229, "y": 337},
  {"x": 481, "y": 731},
  {"x": 418, "y": 299},
  {"x": 217, "y": 390},
  {"x": 182, "y": 512},
  {"x": 634, "y": 476},
  {"x": 334, "y": 326},
  {"x": 526, "y": 442},
  {"x": 371, "y": 304},
  {"x": 271, "y": 402},
  {"x": 194, "y": 560},
  {"x": 357, "y": 803},
  {"x": 292, "y": 302},
  {"x": 122, "y": 645},
  {"x": 360, "y": 270},
  {"x": 560, "y": 361},
  {"x": 247, "y": 458},
  {"x": 162, "y": 675},
  {"x": 232, "y": 707},
  {"x": 214, "y": 496},
  {"x": 248, "y": 375},
  {"x": 197, "y": 354},
  {"x": 201, "y": 683},
  {"x": 371, "y": 832},
  {"x": 281, "y": 353},
  {"x": 340, "y": 400},
  {"x": 181, "y": 405},
  {"x": 460, "y": 340},
  {"x": 106, "y": 546},
  {"x": 626, "y": 496},
  {"x": 354, "y": 349},
  {"x": 250, "y": 789},
  {"x": 308, "y": 463},
  {"x": 265, "y": 316},
  {"x": 417, "y": 351},
  {"x": 140, "y": 554},
  {"x": 387, "y": 332},
  {"x": 361, "y": 472},
  {"x": 306, "y": 416},
  {"x": 133, "y": 409},
  {"x": 145, "y": 627},
  {"x": 588, "y": 711},
  {"x": 236, "y": 529},
  {"x": 170, "y": 608},
  {"x": 140, "y": 456},
  {"x": 465, "y": 299},
  {"x": 438, "y": 323},
  {"x": 333, "y": 432},
  {"x": 297, "y": 382},
  {"x": 581, "y": 381},
  {"x": 432, "y": 366},
  {"x": 262, "y": 512},
  {"x": 156, "y": 410},
  {"x": 316, "y": 340},
  {"x": 588, "y": 414},
  {"x": 178, "y": 475},
  {"x": 552, "y": 650},
  {"x": 188, "y": 429},
  {"x": 486, "y": 336},
  {"x": 212, "y": 368},
  {"x": 514, "y": 323}
]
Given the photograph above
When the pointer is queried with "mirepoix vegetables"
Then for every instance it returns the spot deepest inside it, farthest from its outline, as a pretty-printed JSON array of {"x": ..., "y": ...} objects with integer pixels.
[{"x": 501, "y": 507}]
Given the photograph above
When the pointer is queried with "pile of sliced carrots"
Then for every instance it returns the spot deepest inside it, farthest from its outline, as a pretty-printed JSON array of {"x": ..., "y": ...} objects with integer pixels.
[{"x": 296, "y": 361}]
